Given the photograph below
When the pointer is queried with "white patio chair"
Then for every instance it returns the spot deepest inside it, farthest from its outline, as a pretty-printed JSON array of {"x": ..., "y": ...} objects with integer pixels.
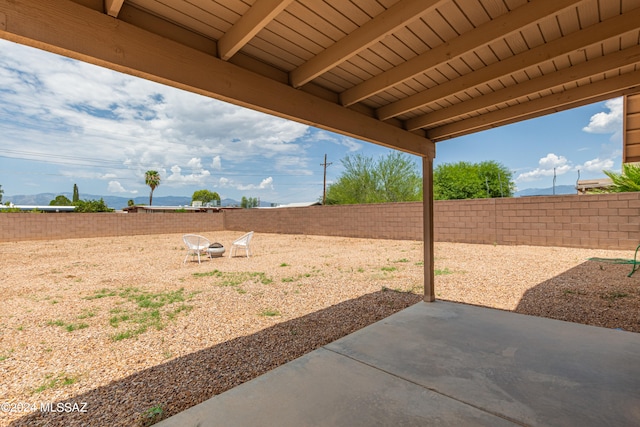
[
  {"x": 196, "y": 245},
  {"x": 242, "y": 242}
]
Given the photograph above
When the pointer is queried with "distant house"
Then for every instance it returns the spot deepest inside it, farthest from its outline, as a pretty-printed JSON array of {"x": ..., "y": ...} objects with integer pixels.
[
  {"x": 40, "y": 208},
  {"x": 293, "y": 205},
  {"x": 586, "y": 186},
  {"x": 158, "y": 209}
]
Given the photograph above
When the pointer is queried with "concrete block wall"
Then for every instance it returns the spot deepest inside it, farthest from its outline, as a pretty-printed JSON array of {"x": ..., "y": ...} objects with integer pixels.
[
  {"x": 51, "y": 226},
  {"x": 402, "y": 221},
  {"x": 607, "y": 221},
  {"x": 465, "y": 221}
]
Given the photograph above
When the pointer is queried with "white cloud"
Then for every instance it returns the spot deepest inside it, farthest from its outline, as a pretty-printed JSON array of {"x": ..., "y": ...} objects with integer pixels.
[
  {"x": 607, "y": 122},
  {"x": 546, "y": 167},
  {"x": 294, "y": 165},
  {"x": 177, "y": 179},
  {"x": 597, "y": 165},
  {"x": 216, "y": 163},
  {"x": 195, "y": 163},
  {"x": 118, "y": 126},
  {"x": 551, "y": 161},
  {"x": 83, "y": 174},
  {"x": 266, "y": 183},
  {"x": 115, "y": 187},
  {"x": 323, "y": 136},
  {"x": 351, "y": 144}
]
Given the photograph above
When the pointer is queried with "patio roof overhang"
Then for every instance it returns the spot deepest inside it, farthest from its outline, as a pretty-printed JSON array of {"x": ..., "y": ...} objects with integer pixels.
[{"x": 400, "y": 73}]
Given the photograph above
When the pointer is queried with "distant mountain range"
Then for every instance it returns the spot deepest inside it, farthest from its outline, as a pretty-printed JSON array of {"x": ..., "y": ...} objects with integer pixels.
[
  {"x": 113, "y": 202},
  {"x": 560, "y": 190},
  {"x": 116, "y": 202}
]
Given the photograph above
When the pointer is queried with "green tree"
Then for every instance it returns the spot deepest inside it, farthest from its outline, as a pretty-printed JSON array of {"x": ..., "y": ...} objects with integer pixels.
[
  {"x": 464, "y": 180},
  {"x": 205, "y": 196},
  {"x": 250, "y": 202},
  {"x": 393, "y": 178},
  {"x": 92, "y": 206},
  {"x": 626, "y": 181},
  {"x": 1, "y": 193},
  {"x": 60, "y": 201},
  {"x": 152, "y": 179},
  {"x": 76, "y": 194}
]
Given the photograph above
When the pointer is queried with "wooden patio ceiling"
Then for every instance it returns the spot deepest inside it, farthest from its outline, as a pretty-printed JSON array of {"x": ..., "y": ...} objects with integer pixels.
[{"x": 401, "y": 73}]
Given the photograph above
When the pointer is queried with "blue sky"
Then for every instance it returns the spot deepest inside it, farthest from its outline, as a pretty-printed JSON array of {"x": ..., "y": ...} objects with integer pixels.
[{"x": 64, "y": 122}]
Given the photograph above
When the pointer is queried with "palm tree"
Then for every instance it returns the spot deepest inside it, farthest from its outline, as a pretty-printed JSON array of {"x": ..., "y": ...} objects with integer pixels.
[
  {"x": 152, "y": 179},
  {"x": 627, "y": 181}
]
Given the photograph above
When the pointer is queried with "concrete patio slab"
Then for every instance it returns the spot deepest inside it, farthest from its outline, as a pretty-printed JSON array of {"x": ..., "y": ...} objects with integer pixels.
[{"x": 445, "y": 364}]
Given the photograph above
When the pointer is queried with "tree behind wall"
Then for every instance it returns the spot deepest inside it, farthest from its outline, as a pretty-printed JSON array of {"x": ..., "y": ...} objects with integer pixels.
[
  {"x": 76, "y": 194},
  {"x": 205, "y": 196},
  {"x": 250, "y": 202},
  {"x": 464, "y": 180},
  {"x": 393, "y": 178},
  {"x": 92, "y": 206},
  {"x": 152, "y": 179},
  {"x": 60, "y": 201}
]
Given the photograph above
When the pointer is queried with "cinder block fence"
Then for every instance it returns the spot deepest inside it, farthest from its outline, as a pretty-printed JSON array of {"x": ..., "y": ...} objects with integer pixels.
[
  {"x": 607, "y": 221},
  {"x": 50, "y": 226}
]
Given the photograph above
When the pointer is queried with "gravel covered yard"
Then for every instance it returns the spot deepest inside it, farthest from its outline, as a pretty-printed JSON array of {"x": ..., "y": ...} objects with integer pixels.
[{"x": 121, "y": 325}]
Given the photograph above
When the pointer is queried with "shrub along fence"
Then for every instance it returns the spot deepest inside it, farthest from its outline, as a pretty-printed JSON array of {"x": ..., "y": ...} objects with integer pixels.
[{"x": 608, "y": 221}]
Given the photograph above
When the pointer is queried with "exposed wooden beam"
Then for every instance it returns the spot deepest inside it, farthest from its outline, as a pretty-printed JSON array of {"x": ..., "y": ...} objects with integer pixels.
[
  {"x": 580, "y": 39},
  {"x": 112, "y": 7},
  {"x": 480, "y": 36},
  {"x": 572, "y": 98},
  {"x": 255, "y": 19},
  {"x": 148, "y": 22},
  {"x": 69, "y": 29},
  {"x": 374, "y": 30},
  {"x": 577, "y": 72}
]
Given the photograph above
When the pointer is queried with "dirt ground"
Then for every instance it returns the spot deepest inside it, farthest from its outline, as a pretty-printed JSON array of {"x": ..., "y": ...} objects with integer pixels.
[{"x": 120, "y": 332}]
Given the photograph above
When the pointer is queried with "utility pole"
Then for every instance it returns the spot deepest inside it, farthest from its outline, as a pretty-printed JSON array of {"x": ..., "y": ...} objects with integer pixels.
[{"x": 324, "y": 185}]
